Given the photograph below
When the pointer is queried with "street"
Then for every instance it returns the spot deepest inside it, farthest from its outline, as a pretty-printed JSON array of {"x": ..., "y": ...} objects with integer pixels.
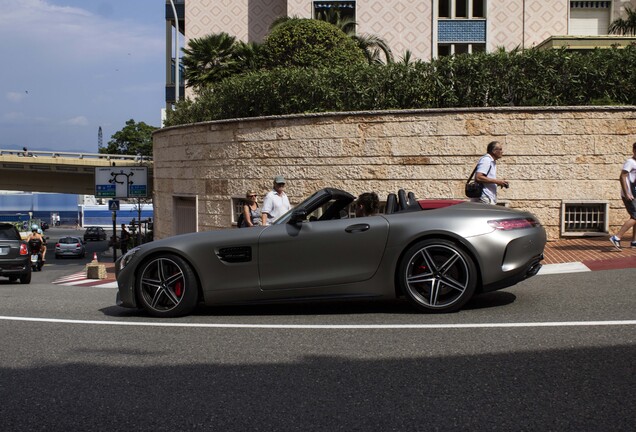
[{"x": 555, "y": 352}]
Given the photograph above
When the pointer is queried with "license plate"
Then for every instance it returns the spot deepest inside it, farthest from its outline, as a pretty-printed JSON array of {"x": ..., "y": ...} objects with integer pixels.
[
  {"x": 4, "y": 250},
  {"x": 34, "y": 258}
]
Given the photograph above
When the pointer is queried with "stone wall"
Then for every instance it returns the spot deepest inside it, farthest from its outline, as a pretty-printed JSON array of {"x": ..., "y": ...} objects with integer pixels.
[{"x": 550, "y": 155}]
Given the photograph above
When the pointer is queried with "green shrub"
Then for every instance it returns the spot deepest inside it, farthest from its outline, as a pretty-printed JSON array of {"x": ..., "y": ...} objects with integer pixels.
[{"x": 309, "y": 43}]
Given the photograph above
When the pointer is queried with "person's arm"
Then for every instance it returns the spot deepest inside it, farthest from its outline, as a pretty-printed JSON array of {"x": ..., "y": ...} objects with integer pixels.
[
  {"x": 247, "y": 216},
  {"x": 267, "y": 207},
  {"x": 625, "y": 185},
  {"x": 481, "y": 177}
]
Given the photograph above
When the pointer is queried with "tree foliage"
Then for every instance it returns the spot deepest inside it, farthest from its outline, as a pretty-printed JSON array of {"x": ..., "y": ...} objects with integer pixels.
[
  {"x": 298, "y": 42},
  {"x": 624, "y": 26},
  {"x": 135, "y": 138},
  {"x": 518, "y": 78}
]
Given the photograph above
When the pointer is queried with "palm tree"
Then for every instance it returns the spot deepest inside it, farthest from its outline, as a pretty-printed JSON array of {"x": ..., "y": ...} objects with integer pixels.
[
  {"x": 374, "y": 47},
  {"x": 625, "y": 26},
  {"x": 209, "y": 59}
]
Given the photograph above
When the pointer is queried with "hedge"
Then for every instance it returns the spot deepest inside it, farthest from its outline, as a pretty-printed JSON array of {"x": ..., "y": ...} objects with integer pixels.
[{"x": 526, "y": 78}]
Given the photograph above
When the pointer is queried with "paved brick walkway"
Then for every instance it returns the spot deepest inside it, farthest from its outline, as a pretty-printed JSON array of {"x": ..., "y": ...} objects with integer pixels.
[{"x": 587, "y": 249}]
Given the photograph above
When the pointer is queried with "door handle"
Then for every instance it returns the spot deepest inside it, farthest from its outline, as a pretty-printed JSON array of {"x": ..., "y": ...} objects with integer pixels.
[{"x": 357, "y": 228}]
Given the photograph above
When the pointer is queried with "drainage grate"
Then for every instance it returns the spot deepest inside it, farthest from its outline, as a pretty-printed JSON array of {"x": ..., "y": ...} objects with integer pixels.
[{"x": 584, "y": 218}]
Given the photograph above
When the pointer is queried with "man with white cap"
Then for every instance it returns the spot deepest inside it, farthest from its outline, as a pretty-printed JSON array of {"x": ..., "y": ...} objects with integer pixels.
[{"x": 276, "y": 202}]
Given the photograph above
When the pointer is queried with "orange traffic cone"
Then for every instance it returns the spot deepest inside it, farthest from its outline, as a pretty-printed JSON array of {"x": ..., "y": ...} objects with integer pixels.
[{"x": 94, "y": 256}]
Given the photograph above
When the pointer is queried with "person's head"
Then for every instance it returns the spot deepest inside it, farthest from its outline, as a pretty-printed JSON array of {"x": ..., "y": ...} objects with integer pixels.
[
  {"x": 250, "y": 196},
  {"x": 367, "y": 204},
  {"x": 495, "y": 149},
  {"x": 279, "y": 183},
  {"x": 123, "y": 226},
  {"x": 34, "y": 228}
]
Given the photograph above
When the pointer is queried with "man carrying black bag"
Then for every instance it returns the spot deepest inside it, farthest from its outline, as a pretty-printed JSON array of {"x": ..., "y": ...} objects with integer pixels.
[{"x": 486, "y": 174}]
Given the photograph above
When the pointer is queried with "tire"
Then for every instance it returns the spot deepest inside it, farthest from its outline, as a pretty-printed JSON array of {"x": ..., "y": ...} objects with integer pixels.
[
  {"x": 25, "y": 279},
  {"x": 167, "y": 287},
  {"x": 437, "y": 276}
]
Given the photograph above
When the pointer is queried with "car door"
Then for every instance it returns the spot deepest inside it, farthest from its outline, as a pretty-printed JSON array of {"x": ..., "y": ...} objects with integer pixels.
[{"x": 320, "y": 253}]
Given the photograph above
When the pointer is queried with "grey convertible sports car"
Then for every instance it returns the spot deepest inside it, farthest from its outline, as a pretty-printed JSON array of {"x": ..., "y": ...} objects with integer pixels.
[{"x": 436, "y": 253}]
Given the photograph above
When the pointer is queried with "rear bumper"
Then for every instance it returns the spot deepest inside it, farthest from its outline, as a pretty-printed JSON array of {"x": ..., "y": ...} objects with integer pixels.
[
  {"x": 531, "y": 268},
  {"x": 15, "y": 267}
]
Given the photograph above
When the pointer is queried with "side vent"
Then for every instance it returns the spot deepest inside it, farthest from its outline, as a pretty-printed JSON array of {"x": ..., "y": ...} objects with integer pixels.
[
  {"x": 586, "y": 218},
  {"x": 235, "y": 254}
]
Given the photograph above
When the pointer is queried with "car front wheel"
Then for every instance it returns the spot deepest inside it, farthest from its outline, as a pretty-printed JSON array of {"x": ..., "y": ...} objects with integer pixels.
[
  {"x": 437, "y": 276},
  {"x": 167, "y": 286}
]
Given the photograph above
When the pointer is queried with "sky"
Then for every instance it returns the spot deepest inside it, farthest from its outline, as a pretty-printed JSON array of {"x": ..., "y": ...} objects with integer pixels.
[{"x": 71, "y": 66}]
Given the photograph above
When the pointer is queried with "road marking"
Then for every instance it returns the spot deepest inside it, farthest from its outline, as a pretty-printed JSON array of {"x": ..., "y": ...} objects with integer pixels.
[
  {"x": 331, "y": 326},
  {"x": 572, "y": 267}
]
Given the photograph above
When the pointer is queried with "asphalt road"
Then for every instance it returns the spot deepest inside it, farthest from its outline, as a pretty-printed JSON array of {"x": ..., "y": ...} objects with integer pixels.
[{"x": 567, "y": 365}]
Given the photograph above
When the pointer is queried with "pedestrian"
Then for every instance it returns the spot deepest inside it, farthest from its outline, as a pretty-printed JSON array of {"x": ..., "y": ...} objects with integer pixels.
[
  {"x": 123, "y": 239},
  {"x": 367, "y": 204},
  {"x": 276, "y": 202},
  {"x": 251, "y": 211},
  {"x": 628, "y": 194},
  {"x": 486, "y": 173}
]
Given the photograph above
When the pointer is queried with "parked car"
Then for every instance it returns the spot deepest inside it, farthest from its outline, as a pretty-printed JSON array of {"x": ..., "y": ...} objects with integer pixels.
[
  {"x": 15, "y": 259},
  {"x": 44, "y": 226},
  {"x": 70, "y": 246},
  {"x": 94, "y": 233},
  {"x": 437, "y": 254}
]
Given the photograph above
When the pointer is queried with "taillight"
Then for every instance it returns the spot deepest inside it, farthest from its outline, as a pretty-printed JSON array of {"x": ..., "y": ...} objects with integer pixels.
[
  {"x": 78, "y": 245},
  {"x": 24, "y": 250},
  {"x": 513, "y": 224},
  {"x": 57, "y": 245}
]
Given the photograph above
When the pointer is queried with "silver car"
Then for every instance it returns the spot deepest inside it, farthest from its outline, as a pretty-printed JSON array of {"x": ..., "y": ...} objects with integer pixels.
[
  {"x": 436, "y": 253},
  {"x": 70, "y": 247}
]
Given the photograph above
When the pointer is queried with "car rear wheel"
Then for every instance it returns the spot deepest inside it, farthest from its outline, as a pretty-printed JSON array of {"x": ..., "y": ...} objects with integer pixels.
[
  {"x": 25, "y": 278},
  {"x": 437, "y": 276},
  {"x": 167, "y": 286}
]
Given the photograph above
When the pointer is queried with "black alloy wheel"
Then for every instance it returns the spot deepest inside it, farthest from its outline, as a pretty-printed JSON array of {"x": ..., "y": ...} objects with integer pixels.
[
  {"x": 437, "y": 276},
  {"x": 167, "y": 286}
]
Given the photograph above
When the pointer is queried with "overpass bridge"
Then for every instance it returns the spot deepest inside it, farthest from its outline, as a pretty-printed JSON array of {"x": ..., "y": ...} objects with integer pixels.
[{"x": 60, "y": 172}]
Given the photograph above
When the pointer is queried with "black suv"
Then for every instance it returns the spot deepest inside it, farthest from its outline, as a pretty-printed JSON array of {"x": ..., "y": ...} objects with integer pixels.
[
  {"x": 15, "y": 259},
  {"x": 94, "y": 233}
]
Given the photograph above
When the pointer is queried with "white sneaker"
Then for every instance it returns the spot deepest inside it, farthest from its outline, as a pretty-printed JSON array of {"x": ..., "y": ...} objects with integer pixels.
[{"x": 616, "y": 242}]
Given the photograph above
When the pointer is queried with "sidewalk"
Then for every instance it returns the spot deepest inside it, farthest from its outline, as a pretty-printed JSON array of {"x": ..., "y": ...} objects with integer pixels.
[{"x": 584, "y": 254}]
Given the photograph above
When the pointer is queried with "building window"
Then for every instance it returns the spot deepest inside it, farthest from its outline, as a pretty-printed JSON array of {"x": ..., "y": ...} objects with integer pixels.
[
  {"x": 461, "y": 27},
  {"x": 461, "y": 9},
  {"x": 590, "y": 4},
  {"x": 330, "y": 10}
]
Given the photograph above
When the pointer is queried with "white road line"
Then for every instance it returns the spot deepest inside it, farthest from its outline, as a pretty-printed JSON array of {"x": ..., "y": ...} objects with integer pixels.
[{"x": 331, "y": 326}]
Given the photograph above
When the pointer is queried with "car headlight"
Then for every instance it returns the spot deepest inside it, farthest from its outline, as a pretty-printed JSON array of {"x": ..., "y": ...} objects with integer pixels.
[{"x": 125, "y": 260}]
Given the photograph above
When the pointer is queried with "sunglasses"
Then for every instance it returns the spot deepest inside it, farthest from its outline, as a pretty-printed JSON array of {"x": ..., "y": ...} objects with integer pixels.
[{"x": 251, "y": 196}]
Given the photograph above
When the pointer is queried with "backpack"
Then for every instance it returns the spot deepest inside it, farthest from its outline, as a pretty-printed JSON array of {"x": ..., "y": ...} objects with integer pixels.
[{"x": 241, "y": 219}]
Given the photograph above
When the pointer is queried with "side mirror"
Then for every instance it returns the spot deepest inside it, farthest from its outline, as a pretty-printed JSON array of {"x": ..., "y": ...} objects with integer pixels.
[{"x": 298, "y": 216}]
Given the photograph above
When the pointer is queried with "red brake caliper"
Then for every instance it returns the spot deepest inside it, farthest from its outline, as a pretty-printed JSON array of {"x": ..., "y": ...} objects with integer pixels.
[{"x": 178, "y": 289}]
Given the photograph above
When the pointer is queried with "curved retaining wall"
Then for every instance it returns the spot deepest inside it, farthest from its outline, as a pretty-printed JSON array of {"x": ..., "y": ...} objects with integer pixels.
[{"x": 550, "y": 155}]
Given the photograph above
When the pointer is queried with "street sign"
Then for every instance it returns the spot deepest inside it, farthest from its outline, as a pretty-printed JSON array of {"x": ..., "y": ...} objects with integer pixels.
[
  {"x": 124, "y": 182},
  {"x": 113, "y": 205}
]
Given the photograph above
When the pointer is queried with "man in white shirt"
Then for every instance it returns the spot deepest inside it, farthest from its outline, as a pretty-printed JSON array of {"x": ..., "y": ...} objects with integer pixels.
[
  {"x": 275, "y": 203},
  {"x": 486, "y": 173},
  {"x": 628, "y": 190}
]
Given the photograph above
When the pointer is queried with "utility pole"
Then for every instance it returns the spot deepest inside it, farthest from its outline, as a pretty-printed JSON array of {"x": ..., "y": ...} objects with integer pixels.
[{"x": 100, "y": 142}]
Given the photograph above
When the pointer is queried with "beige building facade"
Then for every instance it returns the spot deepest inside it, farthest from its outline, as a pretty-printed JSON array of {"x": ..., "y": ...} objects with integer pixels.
[
  {"x": 563, "y": 163},
  {"x": 427, "y": 28}
]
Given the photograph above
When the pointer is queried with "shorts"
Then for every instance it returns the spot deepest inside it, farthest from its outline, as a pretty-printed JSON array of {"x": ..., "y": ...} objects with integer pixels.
[{"x": 630, "y": 206}]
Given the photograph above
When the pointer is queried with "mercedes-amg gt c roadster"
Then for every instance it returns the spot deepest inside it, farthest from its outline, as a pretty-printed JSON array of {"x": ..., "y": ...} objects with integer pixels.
[{"x": 436, "y": 253}]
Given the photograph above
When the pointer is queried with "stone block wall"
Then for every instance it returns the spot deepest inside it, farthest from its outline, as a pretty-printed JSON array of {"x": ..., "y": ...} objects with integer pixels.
[{"x": 550, "y": 155}]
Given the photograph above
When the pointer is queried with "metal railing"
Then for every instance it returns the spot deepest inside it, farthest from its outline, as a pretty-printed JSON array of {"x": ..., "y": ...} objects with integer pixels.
[{"x": 74, "y": 155}]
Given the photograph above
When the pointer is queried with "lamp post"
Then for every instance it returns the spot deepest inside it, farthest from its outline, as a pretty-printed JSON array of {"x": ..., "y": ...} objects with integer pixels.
[{"x": 176, "y": 57}]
